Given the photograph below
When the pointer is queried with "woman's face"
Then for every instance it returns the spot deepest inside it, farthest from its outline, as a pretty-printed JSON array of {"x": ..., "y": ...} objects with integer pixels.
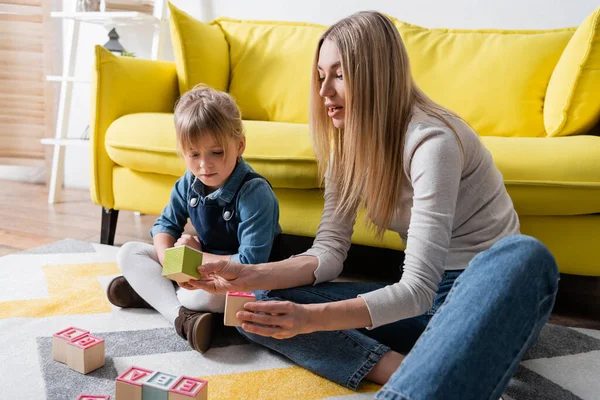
[{"x": 332, "y": 82}]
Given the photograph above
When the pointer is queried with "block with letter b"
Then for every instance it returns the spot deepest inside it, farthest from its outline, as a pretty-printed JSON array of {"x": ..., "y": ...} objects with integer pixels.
[
  {"x": 129, "y": 383},
  {"x": 181, "y": 262},
  {"x": 157, "y": 386},
  {"x": 234, "y": 302},
  {"x": 60, "y": 340},
  {"x": 186, "y": 388},
  {"x": 85, "y": 353}
]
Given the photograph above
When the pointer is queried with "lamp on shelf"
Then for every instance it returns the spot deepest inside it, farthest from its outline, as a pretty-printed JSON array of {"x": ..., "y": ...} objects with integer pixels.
[{"x": 113, "y": 44}]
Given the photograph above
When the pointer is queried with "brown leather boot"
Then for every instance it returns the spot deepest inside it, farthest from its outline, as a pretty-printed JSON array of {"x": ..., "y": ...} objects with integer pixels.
[
  {"x": 195, "y": 327},
  {"x": 121, "y": 294}
]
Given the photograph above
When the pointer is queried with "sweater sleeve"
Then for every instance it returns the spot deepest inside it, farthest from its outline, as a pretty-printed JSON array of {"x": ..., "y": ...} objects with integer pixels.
[
  {"x": 332, "y": 241},
  {"x": 434, "y": 168}
]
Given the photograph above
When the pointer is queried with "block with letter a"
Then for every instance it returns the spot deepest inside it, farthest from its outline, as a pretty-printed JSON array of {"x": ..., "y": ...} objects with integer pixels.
[
  {"x": 85, "y": 353},
  {"x": 60, "y": 340},
  {"x": 129, "y": 383}
]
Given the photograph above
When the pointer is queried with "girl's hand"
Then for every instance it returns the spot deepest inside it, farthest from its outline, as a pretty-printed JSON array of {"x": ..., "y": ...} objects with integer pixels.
[
  {"x": 189, "y": 240},
  {"x": 283, "y": 319},
  {"x": 220, "y": 277}
]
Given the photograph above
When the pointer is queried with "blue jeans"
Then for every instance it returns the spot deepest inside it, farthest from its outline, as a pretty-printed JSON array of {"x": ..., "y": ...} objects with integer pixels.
[{"x": 467, "y": 346}]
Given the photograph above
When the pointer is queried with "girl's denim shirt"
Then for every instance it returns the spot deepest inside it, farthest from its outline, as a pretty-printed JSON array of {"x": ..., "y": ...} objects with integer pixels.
[{"x": 257, "y": 212}]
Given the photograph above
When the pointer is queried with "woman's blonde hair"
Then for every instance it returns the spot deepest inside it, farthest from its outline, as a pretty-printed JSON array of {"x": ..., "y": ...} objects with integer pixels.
[
  {"x": 206, "y": 111},
  {"x": 364, "y": 161}
]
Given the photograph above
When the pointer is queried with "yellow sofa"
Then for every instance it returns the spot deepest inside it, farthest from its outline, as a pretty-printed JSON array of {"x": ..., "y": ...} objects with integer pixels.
[{"x": 533, "y": 96}]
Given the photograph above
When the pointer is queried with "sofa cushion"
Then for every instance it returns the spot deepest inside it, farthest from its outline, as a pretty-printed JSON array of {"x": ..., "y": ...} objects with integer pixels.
[
  {"x": 495, "y": 79},
  {"x": 281, "y": 152},
  {"x": 201, "y": 52},
  {"x": 572, "y": 103},
  {"x": 270, "y": 67},
  {"x": 556, "y": 176},
  {"x": 545, "y": 176},
  {"x": 268, "y": 63}
]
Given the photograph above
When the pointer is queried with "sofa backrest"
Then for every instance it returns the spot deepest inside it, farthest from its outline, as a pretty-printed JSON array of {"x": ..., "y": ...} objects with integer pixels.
[{"x": 496, "y": 80}]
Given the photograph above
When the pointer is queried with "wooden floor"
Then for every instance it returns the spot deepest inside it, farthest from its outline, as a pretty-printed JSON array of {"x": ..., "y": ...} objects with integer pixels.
[{"x": 27, "y": 220}]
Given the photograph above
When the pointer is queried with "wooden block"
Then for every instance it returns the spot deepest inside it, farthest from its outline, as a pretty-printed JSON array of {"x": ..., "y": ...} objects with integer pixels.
[
  {"x": 186, "y": 388},
  {"x": 93, "y": 397},
  {"x": 234, "y": 302},
  {"x": 157, "y": 386},
  {"x": 60, "y": 340},
  {"x": 85, "y": 354},
  {"x": 129, "y": 383},
  {"x": 181, "y": 262}
]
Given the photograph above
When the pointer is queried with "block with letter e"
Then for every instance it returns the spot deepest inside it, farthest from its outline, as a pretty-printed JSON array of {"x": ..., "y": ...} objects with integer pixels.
[
  {"x": 85, "y": 354},
  {"x": 129, "y": 383},
  {"x": 60, "y": 340},
  {"x": 181, "y": 262},
  {"x": 186, "y": 388},
  {"x": 234, "y": 302}
]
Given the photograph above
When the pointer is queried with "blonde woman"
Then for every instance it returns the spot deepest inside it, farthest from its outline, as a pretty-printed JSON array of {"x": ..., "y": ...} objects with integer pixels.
[
  {"x": 232, "y": 208},
  {"x": 474, "y": 293}
]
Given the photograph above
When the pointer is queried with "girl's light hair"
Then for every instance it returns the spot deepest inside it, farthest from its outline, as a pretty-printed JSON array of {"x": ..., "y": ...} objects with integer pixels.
[
  {"x": 206, "y": 111},
  {"x": 364, "y": 161}
]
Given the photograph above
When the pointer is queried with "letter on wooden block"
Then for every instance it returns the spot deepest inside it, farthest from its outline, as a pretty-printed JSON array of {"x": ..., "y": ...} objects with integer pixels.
[
  {"x": 60, "y": 340},
  {"x": 234, "y": 302},
  {"x": 129, "y": 383},
  {"x": 93, "y": 397},
  {"x": 157, "y": 386},
  {"x": 186, "y": 388},
  {"x": 181, "y": 262},
  {"x": 85, "y": 354}
]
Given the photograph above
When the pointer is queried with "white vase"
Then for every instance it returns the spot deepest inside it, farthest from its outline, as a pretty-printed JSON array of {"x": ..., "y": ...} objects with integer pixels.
[{"x": 88, "y": 5}]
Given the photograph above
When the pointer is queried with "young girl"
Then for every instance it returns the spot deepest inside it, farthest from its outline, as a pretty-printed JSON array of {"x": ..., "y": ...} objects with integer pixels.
[
  {"x": 474, "y": 293},
  {"x": 232, "y": 208}
]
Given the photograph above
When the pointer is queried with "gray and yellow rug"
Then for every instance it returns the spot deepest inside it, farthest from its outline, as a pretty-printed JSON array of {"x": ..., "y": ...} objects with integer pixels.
[{"x": 47, "y": 289}]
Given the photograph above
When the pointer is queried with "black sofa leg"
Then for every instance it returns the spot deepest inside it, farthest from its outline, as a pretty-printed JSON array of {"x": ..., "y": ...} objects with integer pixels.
[{"x": 109, "y": 226}]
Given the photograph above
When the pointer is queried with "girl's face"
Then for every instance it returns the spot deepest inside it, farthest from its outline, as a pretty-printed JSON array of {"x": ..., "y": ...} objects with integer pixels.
[
  {"x": 332, "y": 82},
  {"x": 207, "y": 161}
]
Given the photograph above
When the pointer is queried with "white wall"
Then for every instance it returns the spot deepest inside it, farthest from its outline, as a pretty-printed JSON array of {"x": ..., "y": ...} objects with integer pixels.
[{"x": 470, "y": 14}]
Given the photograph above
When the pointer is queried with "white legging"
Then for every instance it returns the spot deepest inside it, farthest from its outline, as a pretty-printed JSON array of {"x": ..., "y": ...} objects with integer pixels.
[{"x": 139, "y": 265}]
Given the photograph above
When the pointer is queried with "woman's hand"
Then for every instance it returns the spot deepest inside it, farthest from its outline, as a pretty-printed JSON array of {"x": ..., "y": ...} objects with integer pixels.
[
  {"x": 220, "y": 277},
  {"x": 189, "y": 240},
  {"x": 282, "y": 319}
]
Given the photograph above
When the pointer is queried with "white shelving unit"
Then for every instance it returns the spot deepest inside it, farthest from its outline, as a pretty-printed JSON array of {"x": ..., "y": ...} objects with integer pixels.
[
  {"x": 111, "y": 18},
  {"x": 66, "y": 142},
  {"x": 108, "y": 19},
  {"x": 58, "y": 78}
]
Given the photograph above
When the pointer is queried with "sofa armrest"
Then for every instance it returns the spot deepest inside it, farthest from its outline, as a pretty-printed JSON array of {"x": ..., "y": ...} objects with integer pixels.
[{"x": 121, "y": 86}]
